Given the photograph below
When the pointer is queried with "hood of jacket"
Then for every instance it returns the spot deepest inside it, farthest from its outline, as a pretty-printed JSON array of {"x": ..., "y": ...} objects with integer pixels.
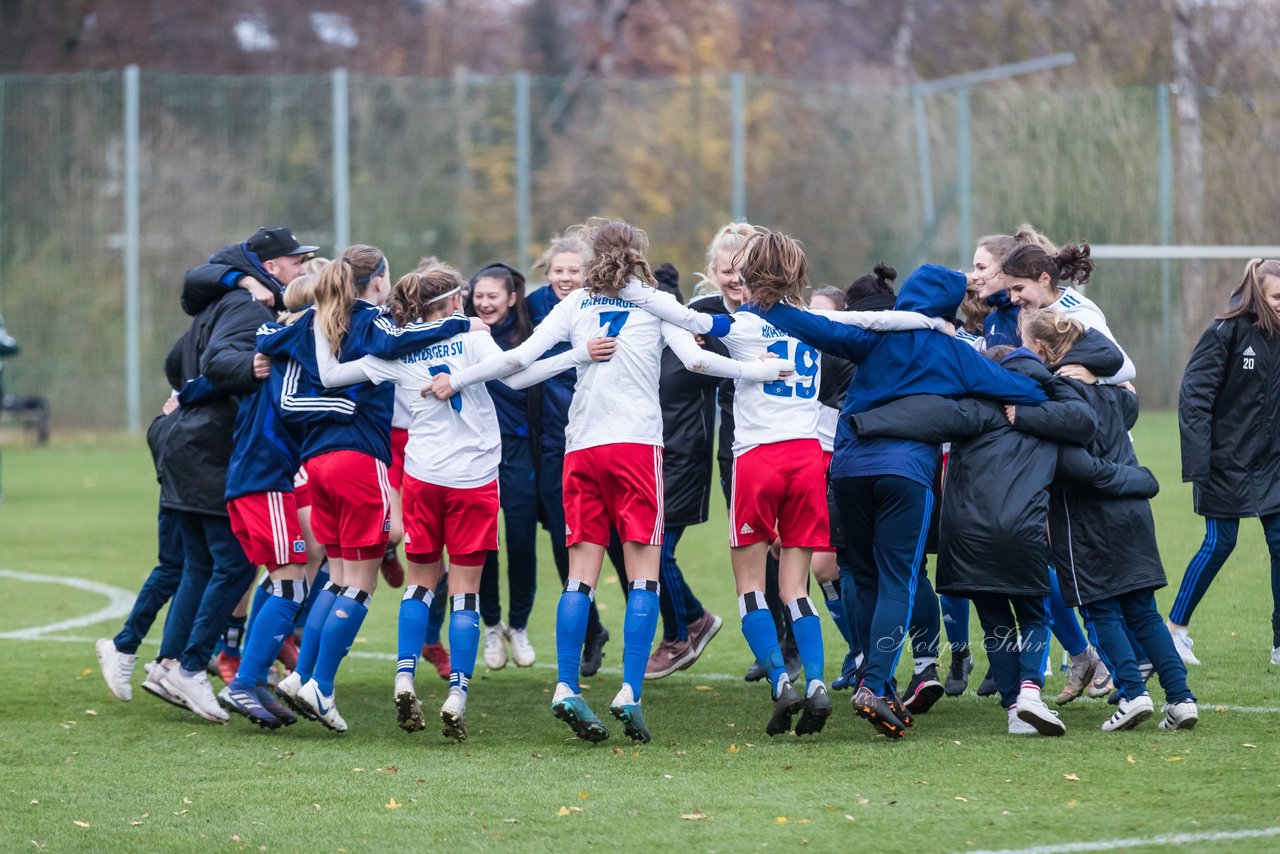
[{"x": 933, "y": 290}]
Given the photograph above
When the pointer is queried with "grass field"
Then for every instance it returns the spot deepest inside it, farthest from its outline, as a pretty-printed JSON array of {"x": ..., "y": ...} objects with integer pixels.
[{"x": 80, "y": 770}]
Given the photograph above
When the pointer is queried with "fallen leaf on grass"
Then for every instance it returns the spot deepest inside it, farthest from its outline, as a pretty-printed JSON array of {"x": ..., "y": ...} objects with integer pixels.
[
  {"x": 180, "y": 812},
  {"x": 851, "y": 818},
  {"x": 317, "y": 806},
  {"x": 563, "y": 811},
  {"x": 696, "y": 815},
  {"x": 782, "y": 819},
  {"x": 1072, "y": 804},
  {"x": 1130, "y": 760},
  {"x": 862, "y": 802},
  {"x": 78, "y": 823},
  {"x": 582, "y": 796},
  {"x": 1074, "y": 777},
  {"x": 91, "y": 713},
  {"x": 961, "y": 800},
  {"x": 1248, "y": 745},
  {"x": 393, "y": 805},
  {"x": 235, "y": 837},
  {"x": 134, "y": 823},
  {"x": 703, "y": 688},
  {"x": 667, "y": 777},
  {"x": 34, "y": 802},
  {"x": 86, "y": 671},
  {"x": 186, "y": 800},
  {"x": 391, "y": 769},
  {"x": 1174, "y": 759},
  {"x": 511, "y": 821},
  {"x": 733, "y": 748}
]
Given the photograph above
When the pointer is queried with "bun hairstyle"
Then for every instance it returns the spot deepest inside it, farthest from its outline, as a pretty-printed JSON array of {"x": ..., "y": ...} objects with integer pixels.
[
  {"x": 774, "y": 269},
  {"x": 341, "y": 284},
  {"x": 1052, "y": 328},
  {"x": 419, "y": 294},
  {"x": 668, "y": 279},
  {"x": 1071, "y": 263},
  {"x": 618, "y": 249},
  {"x": 879, "y": 282},
  {"x": 1000, "y": 245},
  {"x": 1250, "y": 300},
  {"x": 730, "y": 239}
]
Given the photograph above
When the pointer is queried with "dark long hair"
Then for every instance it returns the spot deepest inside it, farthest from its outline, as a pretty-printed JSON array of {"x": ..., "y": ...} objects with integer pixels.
[{"x": 513, "y": 280}]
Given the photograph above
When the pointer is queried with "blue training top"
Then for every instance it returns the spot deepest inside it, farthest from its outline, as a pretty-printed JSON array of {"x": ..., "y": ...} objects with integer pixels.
[{"x": 892, "y": 365}]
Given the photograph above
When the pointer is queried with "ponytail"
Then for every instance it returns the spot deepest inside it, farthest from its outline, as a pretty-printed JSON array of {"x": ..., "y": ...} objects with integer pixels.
[
  {"x": 341, "y": 284},
  {"x": 1071, "y": 263},
  {"x": 618, "y": 248},
  {"x": 1054, "y": 329}
]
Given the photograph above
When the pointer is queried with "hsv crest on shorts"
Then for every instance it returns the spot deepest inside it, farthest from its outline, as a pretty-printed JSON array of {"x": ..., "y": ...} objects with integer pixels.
[{"x": 299, "y": 546}]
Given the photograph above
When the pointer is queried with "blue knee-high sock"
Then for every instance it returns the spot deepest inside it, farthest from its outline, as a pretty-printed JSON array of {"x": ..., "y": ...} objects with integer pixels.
[
  {"x": 411, "y": 627},
  {"x": 313, "y": 590},
  {"x": 260, "y": 595},
  {"x": 1065, "y": 626},
  {"x": 571, "y": 631},
  {"x": 807, "y": 629},
  {"x": 314, "y": 629},
  {"x": 831, "y": 595},
  {"x": 273, "y": 620},
  {"x": 762, "y": 637},
  {"x": 955, "y": 620},
  {"x": 464, "y": 638},
  {"x": 435, "y": 622},
  {"x": 340, "y": 630},
  {"x": 638, "y": 628}
]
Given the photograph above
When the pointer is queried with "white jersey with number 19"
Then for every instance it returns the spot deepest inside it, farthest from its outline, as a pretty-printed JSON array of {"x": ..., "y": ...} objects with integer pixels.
[{"x": 779, "y": 411}]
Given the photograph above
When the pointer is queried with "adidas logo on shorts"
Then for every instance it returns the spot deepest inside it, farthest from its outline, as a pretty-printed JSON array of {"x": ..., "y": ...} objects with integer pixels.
[
  {"x": 567, "y": 530},
  {"x": 746, "y": 529}
]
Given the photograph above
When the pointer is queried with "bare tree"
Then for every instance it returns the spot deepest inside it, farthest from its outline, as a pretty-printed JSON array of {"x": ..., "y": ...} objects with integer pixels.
[{"x": 1190, "y": 163}]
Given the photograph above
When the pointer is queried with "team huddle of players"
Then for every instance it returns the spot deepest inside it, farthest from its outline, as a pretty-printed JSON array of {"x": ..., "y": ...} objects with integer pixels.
[{"x": 859, "y": 430}]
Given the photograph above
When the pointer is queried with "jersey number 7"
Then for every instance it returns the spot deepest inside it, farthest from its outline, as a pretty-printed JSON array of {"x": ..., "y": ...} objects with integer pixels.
[
  {"x": 456, "y": 400},
  {"x": 614, "y": 320}
]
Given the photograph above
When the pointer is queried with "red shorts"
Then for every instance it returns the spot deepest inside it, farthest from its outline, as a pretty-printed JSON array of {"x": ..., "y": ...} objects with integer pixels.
[
  {"x": 833, "y": 529},
  {"x": 350, "y": 500},
  {"x": 780, "y": 491},
  {"x": 618, "y": 485},
  {"x": 266, "y": 524},
  {"x": 301, "y": 489},
  {"x": 395, "y": 471},
  {"x": 446, "y": 518}
]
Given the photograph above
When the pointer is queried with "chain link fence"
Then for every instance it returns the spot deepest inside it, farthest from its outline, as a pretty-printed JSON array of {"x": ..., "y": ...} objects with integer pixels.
[{"x": 474, "y": 169}]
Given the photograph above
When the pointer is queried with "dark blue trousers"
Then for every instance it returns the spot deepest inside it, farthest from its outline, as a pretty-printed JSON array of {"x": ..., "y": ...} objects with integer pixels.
[
  {"x": 1219, "y": 541},
  {"x": 215, "y": 576},
  {"x": 518, "y": 488},
  {"x": 1013, "y": 660},
  {"x": 676, "y": 601},
  {"x": 1136, "y": 610},
  {"x": 886, "y": 520},
  {"x": 160, "y": 585},
  {"x": 926, "y": 618}
]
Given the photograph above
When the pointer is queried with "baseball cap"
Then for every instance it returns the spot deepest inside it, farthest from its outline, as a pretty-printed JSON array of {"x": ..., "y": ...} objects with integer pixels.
[{"x": 276, "y": 242}]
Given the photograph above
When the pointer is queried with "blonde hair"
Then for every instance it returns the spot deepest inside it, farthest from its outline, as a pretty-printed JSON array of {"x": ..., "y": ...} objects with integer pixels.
[
  {"x": 575, "y": 240},
  {"x": 774, "y": 269},
  {"x": 730, "y": 239},
  {"x": 300, "y": 293},
  {"x": 341, "y": 283},
  {"x": 618, "y": 249},
  {"x": 418, "y": 294},
  {"x": 1250, "y": 299},
  {"x": 1057, "y": 332},
  {"x": 313, "y": 266}
]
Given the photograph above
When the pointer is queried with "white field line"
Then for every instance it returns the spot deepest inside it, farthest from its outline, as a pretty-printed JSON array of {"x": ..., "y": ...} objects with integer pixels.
[
  {"x": 1150, "y": 841},
  {"x": 122, "y": 602}
]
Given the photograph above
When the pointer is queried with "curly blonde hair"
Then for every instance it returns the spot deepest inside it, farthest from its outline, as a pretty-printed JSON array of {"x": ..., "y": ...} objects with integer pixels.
[
  {"x": 1057, "y": 332},
  {"x": 618, "y": 249}
]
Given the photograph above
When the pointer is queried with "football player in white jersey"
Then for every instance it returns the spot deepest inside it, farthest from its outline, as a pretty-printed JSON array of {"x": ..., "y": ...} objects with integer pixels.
[
  {"x": 613, "y": 461},
  {"x": 451, "y": 478},
  {"x": 779, "y": 470}
]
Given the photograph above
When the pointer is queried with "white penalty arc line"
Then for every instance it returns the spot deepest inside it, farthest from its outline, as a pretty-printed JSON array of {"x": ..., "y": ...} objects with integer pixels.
[
  {"x": 119, "y": 604},
  {"x": 1150, "y": 841}
]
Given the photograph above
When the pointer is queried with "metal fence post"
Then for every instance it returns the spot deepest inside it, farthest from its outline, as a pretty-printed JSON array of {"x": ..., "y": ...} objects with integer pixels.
[
  {"x": 922, "y": 152},
  {"x": 132, "y": 241},
  {"x": 523, "y": 166},
  {"x": 964, "y": 178},
  {"x": 1166, "y": 221},
  {"x": 341, "y": 116},
  {"x": 738, "y": 105}
]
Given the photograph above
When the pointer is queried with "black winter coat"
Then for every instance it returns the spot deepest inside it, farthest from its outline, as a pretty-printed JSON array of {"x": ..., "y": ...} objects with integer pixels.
[
  {"x": 1229, "y": 421},
  {"x": 992, "y": 531},
  {"x": 688, "y": 434},
  {"x": 1104, "y": 546},
  {"x": 193, "y": 446},
  {"x": 202, "y": 286},
  {"x": 714, "y": 304}
]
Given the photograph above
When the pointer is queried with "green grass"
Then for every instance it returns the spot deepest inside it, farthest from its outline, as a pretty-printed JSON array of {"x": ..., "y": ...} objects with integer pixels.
[{"x": 144, "y": 776}]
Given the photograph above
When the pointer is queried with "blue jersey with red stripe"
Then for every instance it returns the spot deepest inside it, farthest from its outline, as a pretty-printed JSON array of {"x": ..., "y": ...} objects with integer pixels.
[{"x": 370, "y": 332}]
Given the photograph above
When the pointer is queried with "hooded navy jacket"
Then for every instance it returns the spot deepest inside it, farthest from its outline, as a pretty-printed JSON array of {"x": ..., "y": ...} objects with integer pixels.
[
  {"x": 1001, "y": 325},
  {"x": 892, "y": 365}
]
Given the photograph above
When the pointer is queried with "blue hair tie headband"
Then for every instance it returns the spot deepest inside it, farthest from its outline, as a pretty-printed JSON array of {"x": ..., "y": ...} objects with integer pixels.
[{"x": 377, "y": 271}]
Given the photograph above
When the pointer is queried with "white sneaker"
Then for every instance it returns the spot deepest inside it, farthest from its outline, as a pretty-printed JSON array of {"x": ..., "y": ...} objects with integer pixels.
[
  {"x": 1182, "y": 715},
  {"x": 1182, "y": 642},
  {"x": 495, "y": 651},
  {"x": 453, "y": 715},
  {"x": 521, "y": 650},
  {"x": 196, "y": 693},
  {"x": 1130, "y": 713},
  {"x": 1017, "y": 726},
  {"x": 325, "y": 710},
  {"x": 408, "y": 709},
  {"x": 117, "y": 668},
  {"x": 1275, "y": 655},
  {"x": 1032, "y": 710},
  {"x": 154, "y": 685}
]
